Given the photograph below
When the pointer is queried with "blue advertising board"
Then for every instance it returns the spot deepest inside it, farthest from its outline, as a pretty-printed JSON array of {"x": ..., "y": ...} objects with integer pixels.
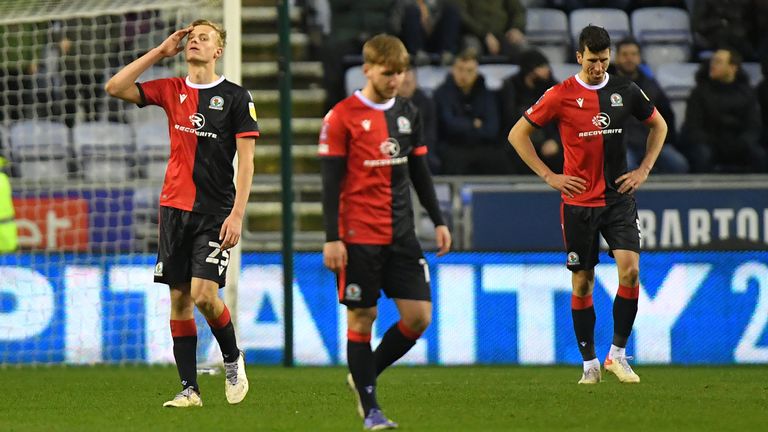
[{"x": 490, "y": 308}]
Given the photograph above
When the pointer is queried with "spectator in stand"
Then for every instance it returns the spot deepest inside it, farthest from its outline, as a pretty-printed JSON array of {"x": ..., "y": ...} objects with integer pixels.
[
  {"x": 518, "y": 93},
  {"x": 762, "y": 97},
  {"x": 570, "y": 5},
  {"x": 18, "y": 65},
  {"x": 719, "y": 23},
  {"x": 352, "y": 23},
  {"x": 410, "y": 89},
  {"x": 722, "y": 119},
  {"x": 468, "y": 122},
  {"x": 494, "y": 27},
  {"x": 627, "y": 64},
  {"x": 428, "y": 27}
]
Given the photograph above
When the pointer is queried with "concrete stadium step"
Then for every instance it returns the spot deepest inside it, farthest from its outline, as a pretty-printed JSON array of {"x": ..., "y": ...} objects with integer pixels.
[
  {"x": 247, "y": 3},
  {"x": 263, "y": 47},
  {"x": 267, "y": 216},
  {"x": 264, "y": 75},
  {"x": 301, "y": 127},
  {"x": 262, "y": 19},
  {"x": 305, "y": 160},
  {"x": 305, "y": 103}
]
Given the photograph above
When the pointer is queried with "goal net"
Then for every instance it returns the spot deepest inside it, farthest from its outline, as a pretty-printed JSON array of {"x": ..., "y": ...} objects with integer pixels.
[{"x": 86, "y": 172}]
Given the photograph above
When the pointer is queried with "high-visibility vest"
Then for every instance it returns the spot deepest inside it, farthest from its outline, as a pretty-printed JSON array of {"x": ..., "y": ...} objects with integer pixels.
[{"x": 9, "y": 237}]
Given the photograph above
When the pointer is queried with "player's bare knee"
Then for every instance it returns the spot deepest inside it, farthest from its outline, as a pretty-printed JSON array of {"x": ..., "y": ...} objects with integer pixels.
[
  {"x": 629, "y": 275},
  {"x": 361, "y": 318},
  {"x": 205, "y": 302},
  {"x": 418, "y": 323}
]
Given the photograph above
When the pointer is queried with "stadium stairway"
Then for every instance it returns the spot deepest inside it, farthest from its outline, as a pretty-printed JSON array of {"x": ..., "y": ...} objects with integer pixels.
[{"x": 262, "y": 228}]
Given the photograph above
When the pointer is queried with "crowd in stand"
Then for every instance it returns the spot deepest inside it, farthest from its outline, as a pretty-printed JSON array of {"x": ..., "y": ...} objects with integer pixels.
[{"x": 722, "y": 130}]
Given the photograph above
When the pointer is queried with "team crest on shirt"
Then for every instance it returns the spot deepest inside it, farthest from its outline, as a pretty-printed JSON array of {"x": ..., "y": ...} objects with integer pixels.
[
  {"x": 573, "y": 258},
  {"x": 616, "y": 100},
  {"x": 217, "y": 103},
  {"x": 353, "y": 293},
  {"x": 403, "y": 125}
]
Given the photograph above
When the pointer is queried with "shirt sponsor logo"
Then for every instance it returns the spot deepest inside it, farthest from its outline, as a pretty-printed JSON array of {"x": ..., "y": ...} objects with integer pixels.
[
  {"x": 390, "y": 148},
  {"x": 198, "y": 121},
  {"x": 602, "y": 121},
  {"x": 403, "y": 125},
  {"x": 217, "y": 103},
  {"x": 616, "y": 100}
]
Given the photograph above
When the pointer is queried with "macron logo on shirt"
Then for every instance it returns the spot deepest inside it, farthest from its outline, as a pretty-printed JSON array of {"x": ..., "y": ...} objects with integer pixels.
[{"x": 182, "y": 98}]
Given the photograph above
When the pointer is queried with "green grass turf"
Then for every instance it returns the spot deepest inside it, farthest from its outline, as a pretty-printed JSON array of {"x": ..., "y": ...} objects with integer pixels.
[{"x": 420, "y": 398}]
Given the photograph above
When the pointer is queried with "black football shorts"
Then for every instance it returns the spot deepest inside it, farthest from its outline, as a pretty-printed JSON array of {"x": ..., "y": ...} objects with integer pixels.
[
  {"x": 189, "y": 247},
  {"x": 618, "y": 223},
  {"x": 399, "y": 269}
]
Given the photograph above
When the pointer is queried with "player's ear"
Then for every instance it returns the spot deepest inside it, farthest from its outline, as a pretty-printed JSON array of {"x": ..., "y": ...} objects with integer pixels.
[
  {"x": 579, "y": 57},
  {"x": 218, "y": 53}
]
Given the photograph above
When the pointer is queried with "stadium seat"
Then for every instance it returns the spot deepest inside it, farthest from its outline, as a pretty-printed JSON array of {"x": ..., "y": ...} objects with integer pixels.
[
  {"x": 754, "y": 71},
  {"x": 664, "y": 34},
  {"x": 677, "y": 80},
  {"x": 40, "y": 149},
  {"x": 429, "y": 78},
  {"x": 153, "y": 146},
  {"x": 495, "y": 74},
  {"x": 562, "y": 71},
  {"x": 615, "y": 21},
  {"x": 104, "y": 150},
  {"x": 354, "y": 79},
  {"x": 547, "y": 30}
]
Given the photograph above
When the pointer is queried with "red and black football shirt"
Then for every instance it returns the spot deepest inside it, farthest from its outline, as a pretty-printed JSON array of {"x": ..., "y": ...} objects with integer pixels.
[
  {"x": 591, "y": 122},
  {"x": 204, "y": 121},
  {"x": 376, "y": 141}
]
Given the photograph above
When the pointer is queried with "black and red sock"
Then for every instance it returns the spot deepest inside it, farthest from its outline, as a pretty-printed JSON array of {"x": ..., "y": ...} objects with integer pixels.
[
  {"x": 397, "y": 341},
  {"x": 624, "y": 313},
  {"x": 224, "y": 332},
  {"x": 184, "y": 333},
  {"x": 361, "y": 365},
  {"x": 583, "y": 312}
]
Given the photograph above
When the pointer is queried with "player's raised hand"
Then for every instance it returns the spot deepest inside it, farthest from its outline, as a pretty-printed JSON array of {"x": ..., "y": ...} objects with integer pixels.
[
  {"x": 172, "y": 46},
  {"x": 568, "y": 185},
  {"x": 230, "y": 231},
  {"x": 335, "y": 255},
  {"x": 443, "y": 239},
  {"x": 631, "y": 181}
]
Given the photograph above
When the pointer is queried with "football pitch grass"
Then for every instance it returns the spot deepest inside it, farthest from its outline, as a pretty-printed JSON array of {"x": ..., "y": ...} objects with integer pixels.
[{"x": 130, "y": 398}]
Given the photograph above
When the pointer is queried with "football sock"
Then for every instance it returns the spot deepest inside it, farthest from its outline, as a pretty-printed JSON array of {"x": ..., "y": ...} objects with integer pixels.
[
  {"x": 224, "y": 332},
  {"x": 588, "y": 364},
  {"x": 184, "y": 333},
  {"x": 616, "y": 352},
  {"x": 624, "y": 313},
  {"x": 397, "y": 341},
  {"x": 362, "y": 367},
  {"x": 583, "y": 312}
]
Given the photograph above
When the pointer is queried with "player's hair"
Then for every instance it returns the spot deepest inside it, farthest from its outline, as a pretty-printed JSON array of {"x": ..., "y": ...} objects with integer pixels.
[
  {"x": 386, "y": 50},
  {"x": 469, "y": 54},
  {"x": 219, "y": 30},
  {"x": 595, "y": 38},
  {"x": 626, "y": 41}
]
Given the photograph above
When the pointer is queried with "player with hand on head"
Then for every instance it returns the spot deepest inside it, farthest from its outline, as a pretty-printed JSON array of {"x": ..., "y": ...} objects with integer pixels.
[
  {"x": 201, "y": 211},
  {"x": 372, "y": 150},
  {"x": 596, "y": 187}
]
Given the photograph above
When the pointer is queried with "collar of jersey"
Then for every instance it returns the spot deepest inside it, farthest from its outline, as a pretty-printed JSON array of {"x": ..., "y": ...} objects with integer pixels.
[
  {"x": 592, "y": 87},
  {"x": 204, "y": 86},
  {"x": 377, "y": 106}
]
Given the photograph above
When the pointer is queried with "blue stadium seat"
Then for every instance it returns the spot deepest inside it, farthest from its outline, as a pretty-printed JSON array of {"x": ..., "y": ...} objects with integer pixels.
[
  {"x": 563, "y": 71},
  {"x": 664, "y": 34},
  {"x": 354, "y": 79},
  {"x": 547, "y": 30},
  {"x": 153, "y": 145},
  {"x": 429, "y": 78},
  {"x": 754, "y": 71},
  {"x": 614, "y": 21},
  {"x": 105, "y": 150},
  {"x": 40, "y": 149},
  {"x": 495, "y": 74},
  {"x": 677, "y": 80}
]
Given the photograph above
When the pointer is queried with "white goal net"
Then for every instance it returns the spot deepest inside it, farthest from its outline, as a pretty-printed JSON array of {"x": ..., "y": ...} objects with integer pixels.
[{"x": 85, "y": 172}]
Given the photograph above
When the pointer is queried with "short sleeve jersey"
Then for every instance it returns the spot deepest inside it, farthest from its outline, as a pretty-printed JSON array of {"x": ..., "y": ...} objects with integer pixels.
[
  {"x": 204, "y": 122},
  {"x": 591, "y": 121},
  {"x": 376, "y": 140}
]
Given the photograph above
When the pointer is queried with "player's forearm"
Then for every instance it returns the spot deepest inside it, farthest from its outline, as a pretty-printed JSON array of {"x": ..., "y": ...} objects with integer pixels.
[
  {"x": 653, "y": 147},
  {"x": 125, "y": 79},
  {"x": 243, "y": 182}
]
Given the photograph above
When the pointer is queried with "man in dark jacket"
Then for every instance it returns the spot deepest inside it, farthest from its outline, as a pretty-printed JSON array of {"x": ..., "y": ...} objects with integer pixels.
[
  {"x": 722, "y": 119},
  {"x": 717, "y": 23},
  {"x": 522, "y": 91},
  {"x": 468, "y": 122},
  {"x": 627, "y": 64},
  {"x": 495, "y": 27},
  {"x": 409, "y": 89}
]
